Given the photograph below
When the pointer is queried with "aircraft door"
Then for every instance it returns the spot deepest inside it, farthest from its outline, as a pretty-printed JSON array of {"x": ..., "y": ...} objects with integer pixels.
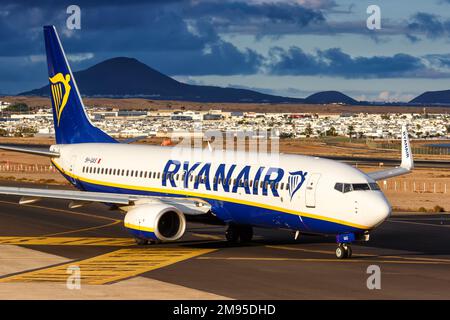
[{"x": 311, "y": 187}]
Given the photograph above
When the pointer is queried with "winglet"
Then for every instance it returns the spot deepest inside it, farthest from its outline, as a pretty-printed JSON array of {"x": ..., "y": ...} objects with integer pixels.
[{"x": 407, "y": 157}]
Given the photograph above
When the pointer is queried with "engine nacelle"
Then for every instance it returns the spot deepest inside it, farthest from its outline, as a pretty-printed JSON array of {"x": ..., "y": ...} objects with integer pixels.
[{"x": 156, "y": 222}]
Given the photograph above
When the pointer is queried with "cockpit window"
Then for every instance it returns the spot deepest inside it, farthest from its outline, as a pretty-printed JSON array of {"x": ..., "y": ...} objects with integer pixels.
[
  {"x": 348, "y": 187},
  {"x": 374, "y": 186},
  {"x": 360, "y": 186}
]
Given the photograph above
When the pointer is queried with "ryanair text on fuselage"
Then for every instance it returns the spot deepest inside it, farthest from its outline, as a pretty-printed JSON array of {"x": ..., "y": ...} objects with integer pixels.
[{"x": 264, "y": 179}]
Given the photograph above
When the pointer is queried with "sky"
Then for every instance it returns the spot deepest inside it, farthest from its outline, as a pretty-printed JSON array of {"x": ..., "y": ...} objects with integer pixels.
[{"x": 284, "y": 47}]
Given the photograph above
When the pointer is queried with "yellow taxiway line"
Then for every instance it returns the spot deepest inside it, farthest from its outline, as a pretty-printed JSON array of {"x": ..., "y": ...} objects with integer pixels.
[
  {"x": 68, "y": 241},
  {"x": 111, "y": 267}
]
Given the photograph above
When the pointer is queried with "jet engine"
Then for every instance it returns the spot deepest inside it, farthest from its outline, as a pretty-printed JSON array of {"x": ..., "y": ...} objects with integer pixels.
[{"x": 155, "y": 222}]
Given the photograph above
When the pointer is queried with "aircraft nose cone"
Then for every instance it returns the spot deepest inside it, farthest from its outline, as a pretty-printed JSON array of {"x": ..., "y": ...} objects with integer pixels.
[{"x": 381, "y": 211}]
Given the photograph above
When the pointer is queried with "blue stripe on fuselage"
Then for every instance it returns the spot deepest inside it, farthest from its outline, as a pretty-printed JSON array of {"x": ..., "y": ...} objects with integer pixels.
[{"x": 240, "y": 213}]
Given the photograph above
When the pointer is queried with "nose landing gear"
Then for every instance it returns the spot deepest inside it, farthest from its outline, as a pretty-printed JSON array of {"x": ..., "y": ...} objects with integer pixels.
[{"x": 343, "y": 251}]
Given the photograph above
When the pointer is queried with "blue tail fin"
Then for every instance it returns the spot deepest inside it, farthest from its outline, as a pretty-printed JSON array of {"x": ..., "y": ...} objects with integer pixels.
[{"x": 72, "y": 124}]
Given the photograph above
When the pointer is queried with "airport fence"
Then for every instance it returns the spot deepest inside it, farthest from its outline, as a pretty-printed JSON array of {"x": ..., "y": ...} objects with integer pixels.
[
  {"x": 30, "y": 168},
  {"x": 429, "y": 150},
  {"x": 415, "y": 186}
]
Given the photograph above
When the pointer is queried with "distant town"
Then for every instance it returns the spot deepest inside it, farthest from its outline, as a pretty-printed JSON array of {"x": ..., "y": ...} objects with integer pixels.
[{"x": 19, "y": 120}]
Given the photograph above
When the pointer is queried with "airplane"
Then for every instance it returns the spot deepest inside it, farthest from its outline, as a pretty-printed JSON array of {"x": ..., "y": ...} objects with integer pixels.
[{"x": 158, "y": 189}]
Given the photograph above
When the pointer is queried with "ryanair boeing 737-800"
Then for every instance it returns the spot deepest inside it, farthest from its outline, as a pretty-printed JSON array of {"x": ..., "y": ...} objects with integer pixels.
[{"x": 158, "y": 189}]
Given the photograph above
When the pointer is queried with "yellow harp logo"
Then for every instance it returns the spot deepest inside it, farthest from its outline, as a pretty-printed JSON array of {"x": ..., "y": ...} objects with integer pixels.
[{"x": 60, "y": 92}]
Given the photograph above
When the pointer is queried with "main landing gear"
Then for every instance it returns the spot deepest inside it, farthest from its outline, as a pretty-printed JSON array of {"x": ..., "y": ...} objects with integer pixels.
[
  {"x": 143, "y": 242},
  {"x": 239, "y": 234}
]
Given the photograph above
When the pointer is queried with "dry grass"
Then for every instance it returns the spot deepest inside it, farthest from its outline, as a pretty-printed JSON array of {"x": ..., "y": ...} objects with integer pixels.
[{"x": 254, "y": 107}]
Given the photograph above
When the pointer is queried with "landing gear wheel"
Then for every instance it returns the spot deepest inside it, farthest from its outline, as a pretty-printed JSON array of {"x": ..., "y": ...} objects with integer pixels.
[
  {"x": 349, "y": 252},
  {"x": 343, "y": 251},
  {"x": 245, "y": 234},
  {"x": 340, "y": 252},
  {"x": 238, "y": 234},
  {"x": 141, "y": 242},
  {"x": 232, "y": 234}
]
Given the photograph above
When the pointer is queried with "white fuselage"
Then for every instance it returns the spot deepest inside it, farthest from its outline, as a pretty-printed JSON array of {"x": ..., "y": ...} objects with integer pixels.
[{"x": 285, "y": 191}]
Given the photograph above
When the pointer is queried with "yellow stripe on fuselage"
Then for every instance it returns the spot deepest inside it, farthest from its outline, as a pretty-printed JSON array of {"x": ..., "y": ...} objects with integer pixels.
[{"x": 210, "y": 197}]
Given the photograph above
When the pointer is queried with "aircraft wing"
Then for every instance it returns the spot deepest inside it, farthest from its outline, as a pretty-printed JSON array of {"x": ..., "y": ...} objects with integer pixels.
[
  {"x": 406, "y": 165},
  {"x": 190, "y": 206},
  {"x": 39, "y": 152}
]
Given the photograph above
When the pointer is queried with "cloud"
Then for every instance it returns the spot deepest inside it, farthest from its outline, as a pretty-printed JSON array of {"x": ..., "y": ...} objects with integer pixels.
[
  {"x": 221, "y": 58},
  {"x": 389, "y": 96},
  {"x": 430, "y": 25},
  {"x": 335, "y": 62}
]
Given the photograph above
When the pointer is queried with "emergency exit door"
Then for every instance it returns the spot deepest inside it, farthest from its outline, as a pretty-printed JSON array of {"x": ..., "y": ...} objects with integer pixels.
[{"x": 311, "y": 187}]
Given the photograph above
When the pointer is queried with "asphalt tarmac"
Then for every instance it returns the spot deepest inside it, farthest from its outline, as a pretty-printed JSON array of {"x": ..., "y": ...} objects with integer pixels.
[{"x": 412, "y": 252}]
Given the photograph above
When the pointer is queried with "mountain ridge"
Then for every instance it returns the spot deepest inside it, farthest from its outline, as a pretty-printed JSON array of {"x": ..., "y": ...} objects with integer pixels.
[
  {"x": 432, "y": 97},
  {"x": 140, "y": 80}
]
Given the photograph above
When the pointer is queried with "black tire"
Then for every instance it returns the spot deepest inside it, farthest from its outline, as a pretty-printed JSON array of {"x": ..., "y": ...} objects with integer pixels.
[
  {"x": 141, "y": 242},
  {"x": 349, "y": 252},
  {"x": 245, "y": 234},
  {"x": 341, "y": 253},
  {"x": 232, "y": 234}
]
